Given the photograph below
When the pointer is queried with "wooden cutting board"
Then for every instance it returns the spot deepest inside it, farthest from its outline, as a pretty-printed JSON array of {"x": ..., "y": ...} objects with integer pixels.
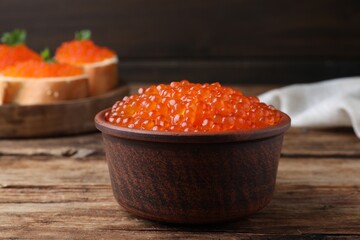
[{"x": 58, "y": 119}]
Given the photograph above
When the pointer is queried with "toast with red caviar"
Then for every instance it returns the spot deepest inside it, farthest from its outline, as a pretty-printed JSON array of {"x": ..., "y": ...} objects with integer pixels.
[
  {"x": 99, "y": 63},
  {"x": 40, "y": 82}
]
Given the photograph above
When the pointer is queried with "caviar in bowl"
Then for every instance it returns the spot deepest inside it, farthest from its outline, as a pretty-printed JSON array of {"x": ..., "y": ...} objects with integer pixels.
[{"x": 192, "y": 176}]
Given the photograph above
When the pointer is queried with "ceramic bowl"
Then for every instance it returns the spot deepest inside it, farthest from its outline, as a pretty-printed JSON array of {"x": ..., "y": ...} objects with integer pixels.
[{"x": 192, "y": 178}]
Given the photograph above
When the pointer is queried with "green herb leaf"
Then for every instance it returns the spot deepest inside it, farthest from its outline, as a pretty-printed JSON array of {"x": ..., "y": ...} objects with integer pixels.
[
  {"x": 83, "y": 35},
  {"x": 16, "y": 37},
  {"x": 46, "y": 56}
]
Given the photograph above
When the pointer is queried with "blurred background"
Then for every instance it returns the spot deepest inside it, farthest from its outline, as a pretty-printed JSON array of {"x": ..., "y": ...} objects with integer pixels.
[{"x": 231, "y": 41}]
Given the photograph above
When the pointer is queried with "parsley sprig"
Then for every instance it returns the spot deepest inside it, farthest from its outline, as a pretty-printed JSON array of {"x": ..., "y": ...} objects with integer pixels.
[
  {"x": 46, "y": 56},
  {"x": 83, "y": 35},
  {"x": 16, "y": 37}
]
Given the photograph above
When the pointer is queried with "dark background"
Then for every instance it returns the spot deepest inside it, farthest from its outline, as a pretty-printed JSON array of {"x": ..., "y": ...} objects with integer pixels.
[{"x": 231, "y": 41}]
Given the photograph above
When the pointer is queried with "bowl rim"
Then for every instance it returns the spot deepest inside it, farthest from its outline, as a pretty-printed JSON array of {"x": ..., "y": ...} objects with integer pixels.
[{"x": 191, "y": 137}]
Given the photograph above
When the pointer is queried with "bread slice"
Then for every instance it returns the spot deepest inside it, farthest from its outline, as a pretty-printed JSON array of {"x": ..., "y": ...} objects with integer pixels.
[
  {"x": 30, "y": 91},
  {"x": 102, "y": 76}
]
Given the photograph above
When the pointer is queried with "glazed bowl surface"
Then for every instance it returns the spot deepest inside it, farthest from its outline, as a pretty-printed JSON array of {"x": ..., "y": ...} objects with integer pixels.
[{"x": 192, "y": 178}]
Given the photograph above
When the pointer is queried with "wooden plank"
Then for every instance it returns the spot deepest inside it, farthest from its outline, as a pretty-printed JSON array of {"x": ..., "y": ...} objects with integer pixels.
[
  {"x": 191, "y": 28},
  {"x": 23, "y": 172},
  {"x": 75, "y": 146},
  {"x": 238, "y": 70},
  {"x": 248, "y": 41},
  {"x": 66, "y": 196},
  {"x": 306, "y": 209},
  {"x": 298, "y": 142},
  {"x": 320, "y": 143},
  {"x": 164, "y": 235},
  {"x": 29, "y": 178}
]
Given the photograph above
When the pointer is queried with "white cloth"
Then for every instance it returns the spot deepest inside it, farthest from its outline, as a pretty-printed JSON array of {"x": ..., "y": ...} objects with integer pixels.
[{"x": 332, "y": 103}]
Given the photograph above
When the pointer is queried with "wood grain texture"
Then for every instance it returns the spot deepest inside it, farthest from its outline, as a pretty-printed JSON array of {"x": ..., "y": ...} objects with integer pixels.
[
  {"x": 238, "y": 71},
  {"x": 76, "y": 200},
  {"x": 245, "y": 41},
  {"x": 215, "y": 28}
]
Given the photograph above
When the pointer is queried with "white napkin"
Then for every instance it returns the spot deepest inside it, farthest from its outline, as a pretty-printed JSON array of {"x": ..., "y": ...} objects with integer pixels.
[{"x": 332, "y": 103}]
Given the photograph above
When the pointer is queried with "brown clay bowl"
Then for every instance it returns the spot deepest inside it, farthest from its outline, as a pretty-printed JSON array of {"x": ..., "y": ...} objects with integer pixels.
[{"x": 192, "y": 178}]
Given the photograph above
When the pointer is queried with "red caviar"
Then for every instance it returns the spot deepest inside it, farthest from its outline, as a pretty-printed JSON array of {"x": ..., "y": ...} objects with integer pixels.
[
  {"x": 187, "y": 107},
  {"x": 82, "y": 52},
  {"x": 9, "y": 55},
  {"x": 38, "y": 69}
]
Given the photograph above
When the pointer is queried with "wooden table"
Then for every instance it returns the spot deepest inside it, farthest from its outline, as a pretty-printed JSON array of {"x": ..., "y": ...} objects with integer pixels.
[{"x": 60, "y": 188}]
